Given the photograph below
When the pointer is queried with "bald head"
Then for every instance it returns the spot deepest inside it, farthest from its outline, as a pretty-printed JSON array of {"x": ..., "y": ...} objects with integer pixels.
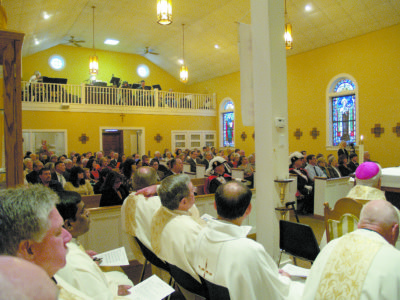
[
  {"x": 232, "y": 200},
  {"x": 144, "y": 177},
  {"x": 22, "y": 280},
  {"x": 382, "y": 217}
]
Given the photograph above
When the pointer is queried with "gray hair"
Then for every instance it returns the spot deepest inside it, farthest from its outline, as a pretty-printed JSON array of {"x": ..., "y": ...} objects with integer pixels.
[
  {"x": 27, "y": 160},
  {"x": 173, "y": 189},
  {"x": 24, "y": 215},
  {"x": 144, "y": 177}
]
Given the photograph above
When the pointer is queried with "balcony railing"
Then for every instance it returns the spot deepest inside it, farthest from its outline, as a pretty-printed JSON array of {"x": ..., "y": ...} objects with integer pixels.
[{"x": 56, "y": 95}]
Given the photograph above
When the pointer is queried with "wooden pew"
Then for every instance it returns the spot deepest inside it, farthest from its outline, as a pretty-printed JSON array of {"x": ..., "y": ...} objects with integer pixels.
[
  {"x": 329, "y": 190},
  {"x": 198, "y": 184},
  {"x": 238, "y": 173},
  {"x": 200, "y": 171},
  {"x": 91, "y": 200},
  {"x": 186, "y": 167}
]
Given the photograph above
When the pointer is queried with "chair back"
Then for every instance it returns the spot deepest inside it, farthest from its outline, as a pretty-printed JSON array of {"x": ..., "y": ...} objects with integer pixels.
[
  {"x": 151, "y": 257},
  {"x": 186, "y": 281},
  {"x": 215, "y": 291},
  {"x": 347, "y": 208},
  {"x": 298, "y": 240},
  {"x": 346, "y": 224}
]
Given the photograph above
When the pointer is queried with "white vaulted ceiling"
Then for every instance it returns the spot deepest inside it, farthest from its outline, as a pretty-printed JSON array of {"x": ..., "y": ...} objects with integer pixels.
[{"x": 208, "y": 22}]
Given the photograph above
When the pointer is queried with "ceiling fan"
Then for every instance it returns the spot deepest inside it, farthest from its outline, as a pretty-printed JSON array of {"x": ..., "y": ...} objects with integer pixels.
[
  {"x": 75, "y": 42},
  {"x": 150, "y": 51}
]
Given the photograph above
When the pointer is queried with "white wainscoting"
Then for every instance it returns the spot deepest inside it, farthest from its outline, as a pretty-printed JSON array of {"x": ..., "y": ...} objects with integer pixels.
[{"x": 106, "y": 232}]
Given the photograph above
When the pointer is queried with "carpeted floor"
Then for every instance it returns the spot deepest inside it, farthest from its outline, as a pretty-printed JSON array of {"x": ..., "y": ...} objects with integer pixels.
[{"x": 134, "y": 269}]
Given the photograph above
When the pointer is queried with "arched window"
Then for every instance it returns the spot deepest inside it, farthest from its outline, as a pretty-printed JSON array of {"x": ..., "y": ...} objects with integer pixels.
[
  {"x": 227, "y": 121},
  {"x": 342, "y": 111}
]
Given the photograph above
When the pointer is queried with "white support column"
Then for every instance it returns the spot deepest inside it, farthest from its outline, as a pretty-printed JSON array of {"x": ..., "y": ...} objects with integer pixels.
[{"x": 270, "y": 94}]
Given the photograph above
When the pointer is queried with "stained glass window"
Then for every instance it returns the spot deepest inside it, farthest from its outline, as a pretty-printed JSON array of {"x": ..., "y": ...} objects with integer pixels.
[
  {"x": 344, "y": 85},
  {"x": 229, "y": 105},
  {"x": 343, "y": 113},
  {"x": 228, "y": 129}
]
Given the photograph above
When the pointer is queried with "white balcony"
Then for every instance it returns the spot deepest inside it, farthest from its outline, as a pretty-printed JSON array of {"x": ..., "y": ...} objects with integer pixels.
[{"x": 85, "y": 98}]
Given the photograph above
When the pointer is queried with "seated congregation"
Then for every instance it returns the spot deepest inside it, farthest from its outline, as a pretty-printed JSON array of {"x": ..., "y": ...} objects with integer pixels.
[{"x": 41, "y": 224}]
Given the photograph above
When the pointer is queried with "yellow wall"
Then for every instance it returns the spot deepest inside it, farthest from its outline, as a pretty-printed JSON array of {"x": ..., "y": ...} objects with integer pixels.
[
  {"x": 229, "y": 87},
  {"x": 90, "y": 123},
  {"x": 374, "y": 62},
  {"x": 76, "y": 69},
  {"x": 121, "y": 65},
  {"x": 372, "y": 59}
]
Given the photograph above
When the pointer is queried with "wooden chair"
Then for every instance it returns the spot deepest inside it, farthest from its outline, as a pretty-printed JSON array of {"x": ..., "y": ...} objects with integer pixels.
[
  {"x": 91, "y": 201},
  {"x": 343, "y": 218}
]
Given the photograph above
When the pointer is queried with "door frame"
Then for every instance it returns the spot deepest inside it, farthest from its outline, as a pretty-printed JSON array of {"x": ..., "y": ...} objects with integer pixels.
[{"x": 142, "y": 135}]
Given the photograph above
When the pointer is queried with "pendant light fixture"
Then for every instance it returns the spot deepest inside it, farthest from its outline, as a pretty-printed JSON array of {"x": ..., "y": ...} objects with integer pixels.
[
  {"x": 183, "y": 74},
  {"x": 94, "y": 60},
  {"x": 164, "y": 12},
  {"x": 288, "y": 32}
]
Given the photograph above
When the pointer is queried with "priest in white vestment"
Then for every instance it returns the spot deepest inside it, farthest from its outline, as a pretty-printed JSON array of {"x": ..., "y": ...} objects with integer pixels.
[
  {"x": 81, "y": 271},
  {"x": 368, "y": 184},
  {"x": 174, "y": 227},
  {"x": 226, "y": 257},
  {"x": 138, "y": 210},
  {"x": 362, "y": 264}
]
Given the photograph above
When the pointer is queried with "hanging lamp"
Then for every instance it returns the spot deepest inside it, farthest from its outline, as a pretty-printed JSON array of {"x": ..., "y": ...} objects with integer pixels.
[
  {"x": 164, "y": 12},
  {"x": 288, "y": 32},
  {"x": 94, "y": 60},
  {"x": 183, "y": 73}
]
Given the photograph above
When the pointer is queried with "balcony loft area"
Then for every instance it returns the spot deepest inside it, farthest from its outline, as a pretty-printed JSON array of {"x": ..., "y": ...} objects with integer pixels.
[{"x": 87, "y": 98}]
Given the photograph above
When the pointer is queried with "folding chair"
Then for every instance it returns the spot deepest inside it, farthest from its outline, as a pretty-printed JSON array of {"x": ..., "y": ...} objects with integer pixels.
[
  {"x": 186, "y": 281},
  {"x": 151, "y": 258},
  {"x": 292, "y": 203},
  {"x": 297, "y": 240},
  {"x": 214, "y": 291}
]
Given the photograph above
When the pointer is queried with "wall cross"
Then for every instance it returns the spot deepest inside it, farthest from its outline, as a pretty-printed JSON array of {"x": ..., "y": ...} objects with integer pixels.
[
  {"x": 314, "y": 133},
  {"x": 377, "y": 130},
  {"x": 298, "y": 133},
  {"x": 83, "y": 138}
]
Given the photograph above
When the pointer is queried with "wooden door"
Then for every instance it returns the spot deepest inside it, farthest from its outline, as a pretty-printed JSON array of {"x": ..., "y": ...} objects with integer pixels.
[{"x": 113, "y": 141}]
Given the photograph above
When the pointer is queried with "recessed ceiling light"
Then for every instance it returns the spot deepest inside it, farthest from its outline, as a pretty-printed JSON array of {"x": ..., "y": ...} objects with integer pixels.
[
  {"x": 216, "y": 46},
  {"x": 37, "y": 42},
  {"x": 180, "y": 61},
  {"x": 111, "y": 42},
  {"x": 308, "y": 7},
  {"x": 45, "y": 15}
]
